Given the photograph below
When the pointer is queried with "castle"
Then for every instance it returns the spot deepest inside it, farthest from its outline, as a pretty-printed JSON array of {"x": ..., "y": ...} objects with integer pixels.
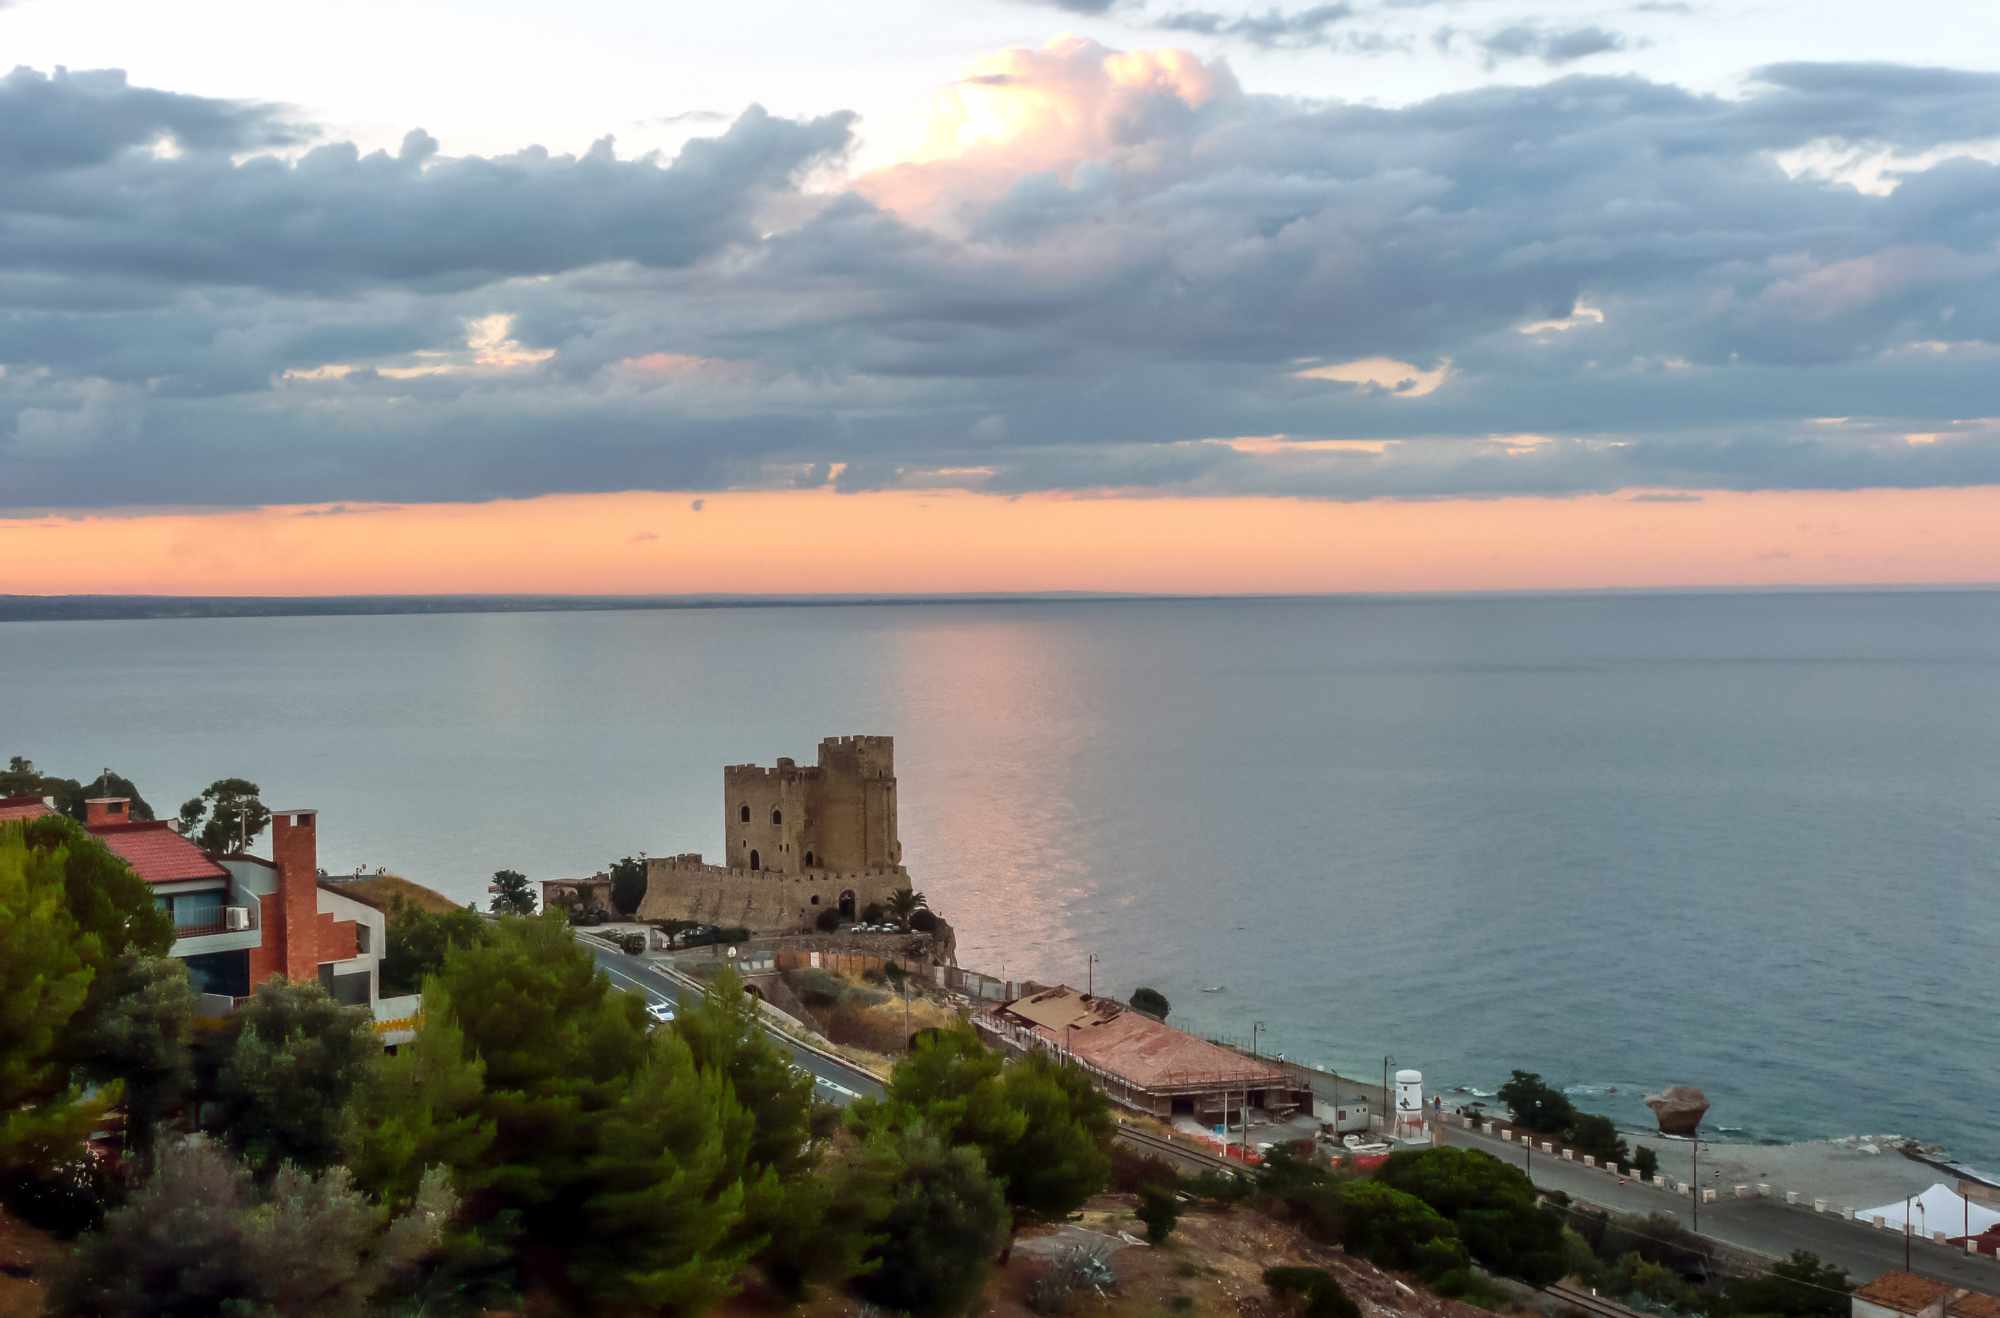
[{"x": 797, "y": 841}]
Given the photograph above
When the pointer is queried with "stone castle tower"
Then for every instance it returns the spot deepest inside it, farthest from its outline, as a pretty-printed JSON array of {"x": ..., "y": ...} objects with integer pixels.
[{"x": 839, "y": 814}]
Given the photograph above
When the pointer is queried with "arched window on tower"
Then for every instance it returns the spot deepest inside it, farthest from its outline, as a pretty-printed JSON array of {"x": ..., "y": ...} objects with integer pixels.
[
  {"x": 755, "y": 863},
  {"x": 809, "y": 865},
  {"x": 777, "y": 817},
  {"x": 743, "y": 813}
]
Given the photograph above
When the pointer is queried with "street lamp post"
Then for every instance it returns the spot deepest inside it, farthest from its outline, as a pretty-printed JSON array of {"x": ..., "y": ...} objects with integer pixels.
[
  {"x": 1254, "y": 1027},
  {"x": 1387, "y": 1062}
]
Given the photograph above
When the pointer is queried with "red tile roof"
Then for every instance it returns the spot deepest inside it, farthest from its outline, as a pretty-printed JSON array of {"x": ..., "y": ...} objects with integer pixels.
[
  {"x": 1904, "y": 1292},
  {"x": 1974, "y": 1304},
  {"x": 22, "y": 807},
  {"x": 1145, "y": 1053},
  {"x": 156, "y": 853}
]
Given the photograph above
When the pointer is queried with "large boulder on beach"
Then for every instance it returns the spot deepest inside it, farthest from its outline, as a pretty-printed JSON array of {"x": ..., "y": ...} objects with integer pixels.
[{"x": 1679, "y": 1110}]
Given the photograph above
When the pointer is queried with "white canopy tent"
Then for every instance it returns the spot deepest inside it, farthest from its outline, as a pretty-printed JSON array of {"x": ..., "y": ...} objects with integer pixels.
[{"x": 1939, "y": 1208}]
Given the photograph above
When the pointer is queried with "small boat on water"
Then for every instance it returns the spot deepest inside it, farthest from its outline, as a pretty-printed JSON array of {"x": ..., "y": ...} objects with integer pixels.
[{"x": 1212, "y": 988}]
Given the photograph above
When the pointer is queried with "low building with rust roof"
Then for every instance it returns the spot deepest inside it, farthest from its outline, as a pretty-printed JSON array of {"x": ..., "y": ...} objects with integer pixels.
[
  {"x": 1140, "y": 1062},
  {"x": 1906, "y": 1295}
]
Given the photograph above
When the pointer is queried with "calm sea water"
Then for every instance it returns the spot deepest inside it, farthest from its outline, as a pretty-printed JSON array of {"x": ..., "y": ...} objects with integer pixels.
[{"x": 1746, "y": 842}]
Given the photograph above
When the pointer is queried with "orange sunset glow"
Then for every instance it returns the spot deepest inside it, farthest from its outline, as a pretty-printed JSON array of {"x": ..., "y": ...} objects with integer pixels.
[{"x": 797, "y": 543}]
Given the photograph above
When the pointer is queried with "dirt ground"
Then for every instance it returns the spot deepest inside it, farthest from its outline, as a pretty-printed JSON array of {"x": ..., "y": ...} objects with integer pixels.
[
  {"x": 25, "y": 1257},
  {"x": 1211, "y": 1267}
]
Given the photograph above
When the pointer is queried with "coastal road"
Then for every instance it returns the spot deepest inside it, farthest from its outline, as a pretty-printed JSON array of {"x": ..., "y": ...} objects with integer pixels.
[
  {"x": 1769, "y": 1227},
  {"x": 838, "y": 1082}
]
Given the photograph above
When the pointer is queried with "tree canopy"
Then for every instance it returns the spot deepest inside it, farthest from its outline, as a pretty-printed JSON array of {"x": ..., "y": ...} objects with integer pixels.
[
  {"x": 21, "y": 778},
  {"x": 512, "y": 894},
  {"x": 1492, "y": 1204},
  {"x": 1151, "y": 1002},
  {"x": 628, "y": 885},
  {"x": 615, "y": 1173},
  {"x": 226, "y": 817},
  {"x": 46, "y": 966},
  {"x": 200, "y": 1238},
  {"x": 416, "y": 942},
  {"x": 1536, "y": 1104},
  {"x": 946, "y": 1219},
  {"x": 298, "y": 1057}
]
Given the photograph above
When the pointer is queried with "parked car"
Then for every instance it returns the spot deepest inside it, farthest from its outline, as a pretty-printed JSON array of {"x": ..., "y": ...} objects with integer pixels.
[{"x": 661, "y": 1013}]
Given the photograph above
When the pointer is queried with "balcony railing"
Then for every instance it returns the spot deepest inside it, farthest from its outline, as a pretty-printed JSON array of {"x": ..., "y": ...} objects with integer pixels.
[{"x": 217, "y": 922}]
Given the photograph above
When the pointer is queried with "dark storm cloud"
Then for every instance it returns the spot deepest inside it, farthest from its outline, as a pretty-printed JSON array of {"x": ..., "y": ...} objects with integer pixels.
[
  {"x": 74, "y": 120},
  {"x": 202, "y": 328},
  {"x": 90, "y": 199}
]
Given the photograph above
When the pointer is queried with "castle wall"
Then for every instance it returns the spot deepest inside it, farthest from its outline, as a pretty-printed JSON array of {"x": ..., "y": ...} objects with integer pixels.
[
  {"x": 856, "y": 819},
  {"x": 780, "y": 804},
  {"x": 683, "y": 888}
]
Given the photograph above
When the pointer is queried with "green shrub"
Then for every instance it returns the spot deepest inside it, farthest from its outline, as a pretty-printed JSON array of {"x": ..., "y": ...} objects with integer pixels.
[
  {"x": 1392, "y": 1229},
  {"x": 827, "y": 920},
  {"x": 1596, "y": 1136},
  {"x": 1536, "y": 1104},
  {"x": 1492, "y": 1205},
  {"x": 1645, "y": 1162},
  {"x": 1159, "y": 1209}
]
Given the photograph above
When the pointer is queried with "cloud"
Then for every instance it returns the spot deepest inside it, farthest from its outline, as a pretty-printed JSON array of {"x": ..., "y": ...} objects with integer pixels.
[
  {"x": 1517, "y": 41},
  {"x": 338, "y": 222},
  {"x": 1270, "y": 30},
  {"x": 1080, "y": 6},
  {"x": 1105, "y": 271}
]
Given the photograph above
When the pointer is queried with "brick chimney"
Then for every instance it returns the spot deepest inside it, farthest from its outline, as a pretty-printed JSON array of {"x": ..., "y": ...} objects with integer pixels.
[
  {"x": 102, "y": 810},
  {"x": 295, "y": 849}
]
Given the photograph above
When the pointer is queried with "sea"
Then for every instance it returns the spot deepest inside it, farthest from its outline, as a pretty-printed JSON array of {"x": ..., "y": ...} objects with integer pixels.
[{"x": 1747, "y": 842}]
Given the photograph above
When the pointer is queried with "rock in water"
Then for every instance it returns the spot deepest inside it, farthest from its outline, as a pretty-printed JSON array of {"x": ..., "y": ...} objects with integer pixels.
[{"x": 1679, "y": 1110}]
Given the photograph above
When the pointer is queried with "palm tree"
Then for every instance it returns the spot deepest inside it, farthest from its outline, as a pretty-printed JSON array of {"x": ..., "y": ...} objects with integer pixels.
[{"x": 904, "y": 903}]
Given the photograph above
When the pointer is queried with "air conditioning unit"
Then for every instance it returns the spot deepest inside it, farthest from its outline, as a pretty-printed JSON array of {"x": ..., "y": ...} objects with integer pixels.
[{"x": 235, "y": 917}]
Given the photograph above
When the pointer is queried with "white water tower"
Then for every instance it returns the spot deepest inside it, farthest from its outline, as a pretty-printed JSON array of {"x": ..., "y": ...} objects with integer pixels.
[{"x": 1409, "y": 1110}]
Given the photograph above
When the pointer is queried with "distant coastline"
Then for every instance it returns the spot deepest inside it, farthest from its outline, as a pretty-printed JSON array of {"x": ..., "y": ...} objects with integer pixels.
[{"x": 114, "y": 608}]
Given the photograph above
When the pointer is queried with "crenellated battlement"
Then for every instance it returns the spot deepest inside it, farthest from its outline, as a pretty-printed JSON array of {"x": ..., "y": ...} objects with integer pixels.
[{"x": 822, "y": 833}]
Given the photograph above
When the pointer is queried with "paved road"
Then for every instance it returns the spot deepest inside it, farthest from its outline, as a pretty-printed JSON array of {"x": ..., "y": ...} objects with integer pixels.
[
  {"x": 837, "y": 1082},
  {"x": 1763, "y": 1226}
]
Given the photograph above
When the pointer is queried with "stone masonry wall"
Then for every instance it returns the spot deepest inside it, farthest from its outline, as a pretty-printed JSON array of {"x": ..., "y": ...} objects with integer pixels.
[{"x": 680, "y": 888}]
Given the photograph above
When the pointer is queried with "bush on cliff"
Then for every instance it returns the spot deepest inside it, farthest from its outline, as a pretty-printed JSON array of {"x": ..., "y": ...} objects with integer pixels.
[
  {"x": 1492, "y": 1205},
  {"x": 1150, "y": 1002}
]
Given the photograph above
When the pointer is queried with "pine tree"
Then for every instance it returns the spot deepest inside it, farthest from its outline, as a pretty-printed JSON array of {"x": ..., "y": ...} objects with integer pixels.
[
  {"x": 45, "y": 976},
  {"x": 419, "y": 1109}
]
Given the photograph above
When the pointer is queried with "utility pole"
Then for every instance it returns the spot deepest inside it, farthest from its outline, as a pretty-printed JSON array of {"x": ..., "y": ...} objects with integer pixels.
[
  {"x": 1090, "y": 976},
  {"x": 1697, "y": 1182},
  {"x": 1387, "y": 1102}
]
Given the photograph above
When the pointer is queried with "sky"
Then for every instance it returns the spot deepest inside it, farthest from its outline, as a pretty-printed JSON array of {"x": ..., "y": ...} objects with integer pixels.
[{"x": 1156, "y": 295}]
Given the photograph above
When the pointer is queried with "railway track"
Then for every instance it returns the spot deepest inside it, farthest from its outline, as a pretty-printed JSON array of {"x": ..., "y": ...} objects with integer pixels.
[
  {"x": 1584, "y": 1302},
  {"x": 1184, "y": 1154}
]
